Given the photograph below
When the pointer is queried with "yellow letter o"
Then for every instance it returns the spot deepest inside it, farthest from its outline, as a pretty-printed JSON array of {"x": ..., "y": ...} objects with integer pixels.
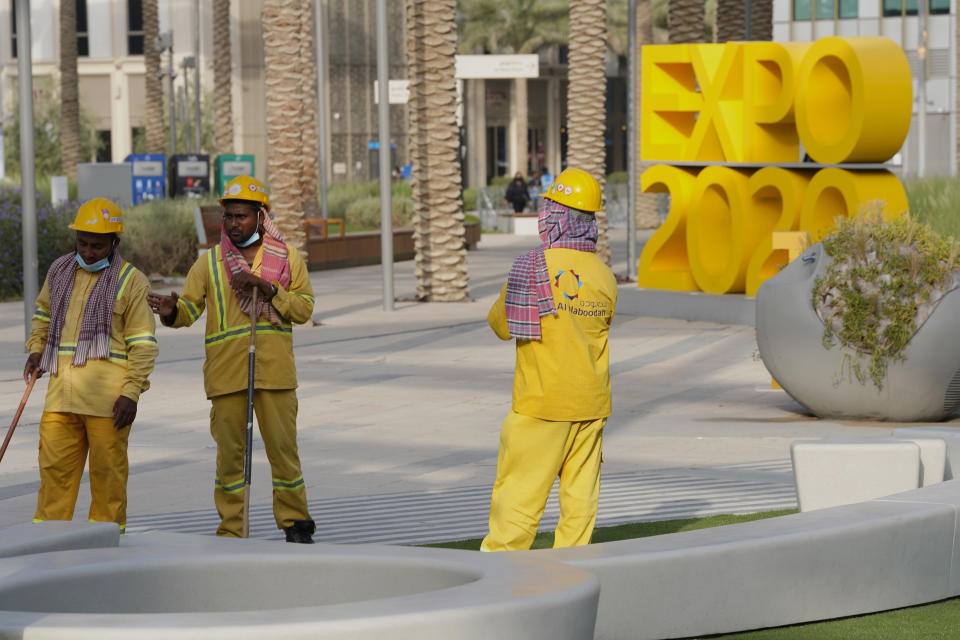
[{"x": 854, "y": 100}]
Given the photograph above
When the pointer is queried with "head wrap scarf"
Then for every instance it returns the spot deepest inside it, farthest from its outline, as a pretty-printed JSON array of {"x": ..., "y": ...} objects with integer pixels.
[
  {"x": 274, "y": 267},
  {"x": 529, "y": 297}
]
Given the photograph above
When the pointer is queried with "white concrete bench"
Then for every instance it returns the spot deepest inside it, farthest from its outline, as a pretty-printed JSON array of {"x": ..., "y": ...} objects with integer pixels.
[
  {"x": 950, "y": 437},
  {"x": 834, "y": 472}
]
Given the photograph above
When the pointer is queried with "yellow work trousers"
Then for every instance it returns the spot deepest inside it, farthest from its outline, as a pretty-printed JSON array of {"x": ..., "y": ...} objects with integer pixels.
[
  {"x": 65, "y": 439},
  {"x": 533, "y": 453},
  {"x": 277, "y": 420}
]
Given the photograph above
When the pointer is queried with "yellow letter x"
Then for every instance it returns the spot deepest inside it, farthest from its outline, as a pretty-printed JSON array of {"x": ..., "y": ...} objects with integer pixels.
[{"x": 718, "y": 134}]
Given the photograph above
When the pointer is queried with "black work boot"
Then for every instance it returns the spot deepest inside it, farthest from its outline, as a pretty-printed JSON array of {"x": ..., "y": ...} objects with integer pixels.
[{"x": 300, "y": 531}]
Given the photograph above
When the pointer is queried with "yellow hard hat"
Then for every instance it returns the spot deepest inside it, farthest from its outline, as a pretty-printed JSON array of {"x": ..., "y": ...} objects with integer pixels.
[
  {"x": 246, "y": 188},
  {"x": 98, "y": 216},
  {"x": 575, "y": 188}
]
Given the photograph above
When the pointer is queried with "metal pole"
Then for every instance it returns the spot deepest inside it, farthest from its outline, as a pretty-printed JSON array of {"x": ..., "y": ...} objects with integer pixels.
[
  {"x": 318, "y": 21},
  {"x": 187, "y": 142},
  {"x": 747, "y": 20},
  {"x": 922, "y": 89},
  {"x": 196, "y": 76},
  {"x": 386, "y": 218},
  {"x": 173, "y": 101},
  {"x": 28, "y": 185},
  {"x": 632, "y": 139}
]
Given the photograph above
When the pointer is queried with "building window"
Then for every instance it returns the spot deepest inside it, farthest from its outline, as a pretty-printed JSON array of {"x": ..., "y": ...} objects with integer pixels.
[
  {"x": 135, "y": 27},
  {"x": 83, "y": 40},
  {"x": 825, "y": 9},
  {"x": 893, "y": 8}
]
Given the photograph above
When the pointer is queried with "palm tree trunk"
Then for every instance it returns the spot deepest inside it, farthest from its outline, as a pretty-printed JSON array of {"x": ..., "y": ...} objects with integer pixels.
[
  {"x": 519, "y": 110},
  {"x": 155, "y": 137},
  {"x": 441, "y": 260},
  {"x": 69, "y": 93},
  {"x": 685, "y": 18},
  {"x": 586, "y": 114},
  {"x": 222, "y": 82},
  {"x": 728, "y": 23},
  {"x": 761, "y": 20},
  {"x": 291, "y": 111},
  {"x": 646, "y": 212}
]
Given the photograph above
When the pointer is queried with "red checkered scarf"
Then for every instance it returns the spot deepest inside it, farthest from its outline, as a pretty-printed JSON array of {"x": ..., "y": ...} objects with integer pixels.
[
  {"x": 94, "y": 339},
  {"x": 274, "y": 267},
  {"x": 528, "y": 285}
]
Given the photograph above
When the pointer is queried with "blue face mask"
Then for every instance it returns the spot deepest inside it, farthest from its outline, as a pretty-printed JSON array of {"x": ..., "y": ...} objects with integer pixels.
[
  {"x": 249, "y": 241},
  {"x": 99, "y": 265}
]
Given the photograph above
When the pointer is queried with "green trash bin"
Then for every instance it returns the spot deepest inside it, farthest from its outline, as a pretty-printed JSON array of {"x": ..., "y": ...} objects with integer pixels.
[{"x": 230, "y": 165}]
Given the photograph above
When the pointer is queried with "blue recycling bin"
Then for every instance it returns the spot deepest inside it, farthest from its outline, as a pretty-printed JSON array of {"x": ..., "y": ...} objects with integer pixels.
[{"x": 148, "y": 176}]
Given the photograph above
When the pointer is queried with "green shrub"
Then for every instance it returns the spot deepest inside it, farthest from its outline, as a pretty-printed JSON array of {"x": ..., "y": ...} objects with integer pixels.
[
  {"x": 160, "y": 237},
  {"x": 341, "y": 194},
  {"x": 53, "y": 238},
  {"x": 500, "y": 181},
  {"x": 365, "y": 212},
  {"x": 470, "y": 199},
  {"x": 935, "y": 201},
  {"x": 616, "y": 177}
]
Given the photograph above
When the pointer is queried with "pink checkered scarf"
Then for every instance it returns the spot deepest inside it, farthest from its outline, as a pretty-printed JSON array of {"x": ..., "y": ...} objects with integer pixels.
[
  {"x": 94, "y": 339},
  {"x": 274, "y": 267},
  {"x": 528, "y": 295}
]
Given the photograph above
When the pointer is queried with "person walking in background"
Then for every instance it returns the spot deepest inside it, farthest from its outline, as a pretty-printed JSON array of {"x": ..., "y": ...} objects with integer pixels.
[
  {"x": 545, "y": 180},
  {"x": 517, "y": 193},
  {"x": 557, "y": 304},
  {"x": 251, "y": 255},
  {"x": 534, "y": 189},
  {"x": 94, "y": 333}
]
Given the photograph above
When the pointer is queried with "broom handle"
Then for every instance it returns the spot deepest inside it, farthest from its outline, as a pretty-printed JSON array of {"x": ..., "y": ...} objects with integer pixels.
[
  {"x": 16, "y": 417},
  {"x": 248, "y": 457}
]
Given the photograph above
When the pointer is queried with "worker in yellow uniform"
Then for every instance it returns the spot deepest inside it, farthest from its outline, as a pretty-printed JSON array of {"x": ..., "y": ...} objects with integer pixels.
[
  {"x": 251, "y": 255},
  {"x": 558, "y": 303},
  {"x": 94, "y": 333}
]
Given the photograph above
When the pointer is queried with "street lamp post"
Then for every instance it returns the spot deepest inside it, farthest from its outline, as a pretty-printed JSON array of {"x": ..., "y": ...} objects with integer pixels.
[
  {"x": 28, "y": 185},
  {"x": 386, "y": 215}
]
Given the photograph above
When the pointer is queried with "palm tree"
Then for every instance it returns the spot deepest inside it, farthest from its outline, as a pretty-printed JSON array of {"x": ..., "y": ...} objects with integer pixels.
[
  {"x": 730, "y": 20},
  {"x": 433, "y": 143},
  {"x": 291, "y": 112},
  {"x": 647, "y": 214},
  {"x": 69, "y": 93},
  {"x": 519, "y": 26},
  {"x": 222, "y": 82},
  {"x": 586, "y": 114},
  {"x": 155, "y": 138},
  {"x": 685, "y": 18}
]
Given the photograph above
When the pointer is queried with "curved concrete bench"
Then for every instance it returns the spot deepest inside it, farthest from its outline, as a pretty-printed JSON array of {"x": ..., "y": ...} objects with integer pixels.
[
  {"x": 886, "y": 553},
  {"x": 882, "y": 554},
  {"x": 191, "y": 587},
  {"x": 57, "y": 536}
]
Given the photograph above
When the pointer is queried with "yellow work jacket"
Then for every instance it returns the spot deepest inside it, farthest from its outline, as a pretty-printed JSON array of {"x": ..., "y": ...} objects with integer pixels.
[
  {"x": 228, "y": 328},
  {"x": 94, "y": 388},
  {"x": 565, "y": 376}
]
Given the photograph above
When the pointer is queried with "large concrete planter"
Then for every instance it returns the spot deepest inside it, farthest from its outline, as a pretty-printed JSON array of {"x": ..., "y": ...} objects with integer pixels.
[
  {"x": 363, "y": 247},
  {"x": 923, "y": 387}
]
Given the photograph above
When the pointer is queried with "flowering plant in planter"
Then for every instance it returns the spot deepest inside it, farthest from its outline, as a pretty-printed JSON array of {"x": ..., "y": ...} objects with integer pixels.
[{"x": 885, "y": 279}]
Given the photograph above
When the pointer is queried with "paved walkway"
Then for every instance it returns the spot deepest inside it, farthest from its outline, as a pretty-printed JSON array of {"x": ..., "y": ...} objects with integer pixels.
[{"x": 400, "y": 415}]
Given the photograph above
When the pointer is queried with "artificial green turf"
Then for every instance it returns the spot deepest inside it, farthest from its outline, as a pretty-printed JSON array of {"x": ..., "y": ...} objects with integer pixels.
[
  {"x": 544, "y": 540},
  {"x": 937, "y": 621}
]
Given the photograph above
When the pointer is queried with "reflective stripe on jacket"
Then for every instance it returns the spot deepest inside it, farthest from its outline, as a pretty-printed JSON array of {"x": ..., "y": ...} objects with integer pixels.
[
  {"x": 93, "y": 388},
  {"x": 227, "y": 338}
]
